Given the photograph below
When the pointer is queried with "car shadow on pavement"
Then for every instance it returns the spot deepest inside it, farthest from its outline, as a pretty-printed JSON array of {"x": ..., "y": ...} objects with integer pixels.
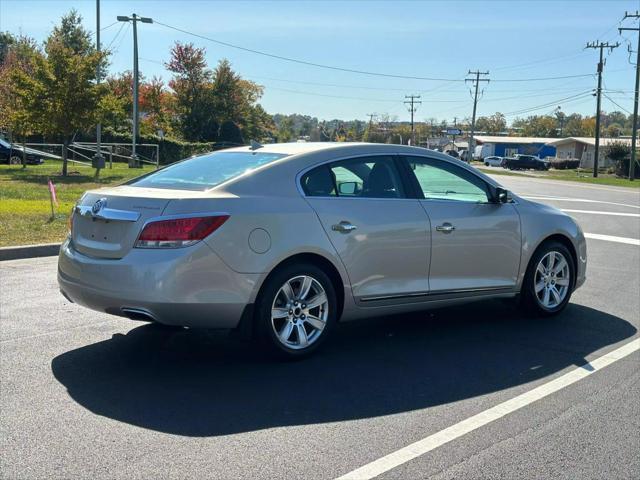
[{"x": 197, "y": 383}]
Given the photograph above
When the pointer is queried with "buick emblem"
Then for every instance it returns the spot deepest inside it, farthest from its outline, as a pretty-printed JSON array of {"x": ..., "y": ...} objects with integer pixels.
[{"x": 99, "y": 205}]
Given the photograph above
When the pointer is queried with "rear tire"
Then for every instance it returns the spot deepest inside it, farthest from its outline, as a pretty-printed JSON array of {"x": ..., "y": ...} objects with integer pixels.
[
  {"x": 15, "y": 160},
  {"x": 548, "y": 283},
  {"x": 296, "y": 311}
]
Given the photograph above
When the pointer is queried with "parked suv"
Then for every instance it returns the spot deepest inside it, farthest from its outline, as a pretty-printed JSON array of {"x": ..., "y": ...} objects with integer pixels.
[{"x": 524, "y": 162}]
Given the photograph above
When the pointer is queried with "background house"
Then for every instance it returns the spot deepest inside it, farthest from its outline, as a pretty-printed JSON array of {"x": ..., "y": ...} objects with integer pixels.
[
  {"x": 457, "y": 145},
  {"x": 509, "y": 146},
  {"x": 583, "y": 149}
]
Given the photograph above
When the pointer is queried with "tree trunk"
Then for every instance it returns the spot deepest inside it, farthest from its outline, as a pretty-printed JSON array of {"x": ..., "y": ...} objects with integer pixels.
[
  {"x": 65, "y": 154},
  {"x": 24, "y": 152}
]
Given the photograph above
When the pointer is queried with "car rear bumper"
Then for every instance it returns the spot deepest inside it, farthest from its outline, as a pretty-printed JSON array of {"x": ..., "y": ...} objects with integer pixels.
[{"x": 187, "y": 286}]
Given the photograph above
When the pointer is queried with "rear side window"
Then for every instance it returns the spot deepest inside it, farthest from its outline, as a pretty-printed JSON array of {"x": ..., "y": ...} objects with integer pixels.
[
  {"x": 206, "y": 171},
  {"x": 365, "y": 177},
  {"x": 319, "y": 182}
]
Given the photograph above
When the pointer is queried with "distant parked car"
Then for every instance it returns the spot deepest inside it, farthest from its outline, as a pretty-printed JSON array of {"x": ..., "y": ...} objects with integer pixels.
[
  {"x": 452, "y": 153},
  {"x": 464, "y": 155},
  {"x": 12, "y": 154},
  {"x": 493, "y": 161},
  {"x": 525, "y": 162}
]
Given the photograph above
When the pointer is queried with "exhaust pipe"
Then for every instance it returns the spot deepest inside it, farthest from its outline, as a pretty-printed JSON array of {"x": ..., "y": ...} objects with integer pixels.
[{"x": 139, "y": 314}]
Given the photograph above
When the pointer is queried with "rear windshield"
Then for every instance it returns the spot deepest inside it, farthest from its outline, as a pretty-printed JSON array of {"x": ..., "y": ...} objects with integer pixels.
[{"x": 206, "y": 171}]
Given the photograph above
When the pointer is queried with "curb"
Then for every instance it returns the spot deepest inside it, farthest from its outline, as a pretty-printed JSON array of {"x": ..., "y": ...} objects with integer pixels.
[{"x": 29, "y": 251}]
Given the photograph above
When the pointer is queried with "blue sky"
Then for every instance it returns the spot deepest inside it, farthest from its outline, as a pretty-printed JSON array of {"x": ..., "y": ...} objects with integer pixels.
[{"x": 513, "y": 40}]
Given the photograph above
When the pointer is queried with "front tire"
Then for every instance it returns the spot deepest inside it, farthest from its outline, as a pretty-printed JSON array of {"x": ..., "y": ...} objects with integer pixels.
[
  {"x": 296, "y": 311},
  {"x": 15, "y": 160},
  {"x": 549, "y": 280}
]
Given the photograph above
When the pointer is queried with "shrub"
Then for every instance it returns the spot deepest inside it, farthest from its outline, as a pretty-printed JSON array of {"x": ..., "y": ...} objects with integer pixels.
[
  {"x": 565, "y": 163},
  {"x": 622, "y": 167}
]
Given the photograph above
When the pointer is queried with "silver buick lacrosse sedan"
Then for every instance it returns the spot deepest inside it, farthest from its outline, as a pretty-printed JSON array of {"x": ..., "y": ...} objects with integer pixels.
[{"x": 282, "y": 241}]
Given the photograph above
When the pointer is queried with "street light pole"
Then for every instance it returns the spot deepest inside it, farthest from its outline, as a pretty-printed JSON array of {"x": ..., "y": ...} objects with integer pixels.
[
  {"x": 98, "y": 159},
  {"x": 135, "y": 19}
]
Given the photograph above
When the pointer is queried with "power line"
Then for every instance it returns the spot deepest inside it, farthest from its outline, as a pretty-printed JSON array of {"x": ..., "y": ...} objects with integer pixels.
[
  {"x": 305, "y": 62},
  {"x": 547, "y": 91},
  {"x": 333, "y": 96},
  {"x": 615, "y": 103},
  {"x": 122, "y": 25},
  {"x": 580, "y": 95},
  {"x": 352, "y": 70}
]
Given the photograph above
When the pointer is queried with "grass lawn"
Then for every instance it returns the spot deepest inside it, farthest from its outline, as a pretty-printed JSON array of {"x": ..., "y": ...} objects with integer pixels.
[
  {"x": 571, "y": 176},
  {"x": 25, "y": 210}
]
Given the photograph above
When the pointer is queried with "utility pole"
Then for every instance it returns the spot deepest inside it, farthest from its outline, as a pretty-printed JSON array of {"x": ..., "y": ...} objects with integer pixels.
[
  {"x": 560, "y": 118},
  {"x": 412, "y": 102},
  {"x": 455, "y": 125},
  {"x": 601, "y": 46},
  {"x": 634, "y": 133},
  {"x": 475, "y": 81},
  {"x": 135, "y": 19},
  {"x": 98, "y": 158},
  {"x": 370, "y": 115}
]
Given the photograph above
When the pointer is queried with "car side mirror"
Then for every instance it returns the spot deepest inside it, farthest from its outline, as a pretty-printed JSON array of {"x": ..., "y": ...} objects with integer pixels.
[
  {"x": 347, "y": 188},
  {"x": 502, "y": 195}
]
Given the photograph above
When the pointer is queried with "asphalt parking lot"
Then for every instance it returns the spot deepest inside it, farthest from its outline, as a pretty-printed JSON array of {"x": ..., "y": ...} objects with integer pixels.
[{"x": 87, "y": 395}]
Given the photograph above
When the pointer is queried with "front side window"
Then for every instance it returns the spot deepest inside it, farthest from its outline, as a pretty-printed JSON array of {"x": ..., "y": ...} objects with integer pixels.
[
  {"x": 364, "y": 177},
  {"x": 440, "y": 180},
  {"x": 205, "y": 171}
]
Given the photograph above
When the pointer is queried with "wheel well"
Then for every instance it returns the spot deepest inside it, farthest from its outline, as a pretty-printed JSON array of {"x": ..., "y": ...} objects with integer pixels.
[{"x": 320, "y": 262}]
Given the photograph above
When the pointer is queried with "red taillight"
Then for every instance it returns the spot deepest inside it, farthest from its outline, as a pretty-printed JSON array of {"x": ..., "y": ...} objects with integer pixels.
[{"x": 178, "y": 232}]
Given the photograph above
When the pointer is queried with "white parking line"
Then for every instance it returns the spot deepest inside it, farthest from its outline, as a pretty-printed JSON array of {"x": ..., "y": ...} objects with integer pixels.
[
  {"x": 611, "y": 238},
  {"x": 560, "y": 183},
  {"x": 598, "y": 212},
  {"x": 584, "y": 200},
  {"x": 453, "y": 432}
]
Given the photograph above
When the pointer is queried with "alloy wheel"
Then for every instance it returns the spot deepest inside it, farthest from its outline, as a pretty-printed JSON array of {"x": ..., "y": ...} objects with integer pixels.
[
  {"x": 299, "y": 312},
  {"x": 552, "y": 280}
]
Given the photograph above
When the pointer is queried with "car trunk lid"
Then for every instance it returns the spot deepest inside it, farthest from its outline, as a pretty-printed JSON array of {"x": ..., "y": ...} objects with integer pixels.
[{"x": 107, "y": 222}]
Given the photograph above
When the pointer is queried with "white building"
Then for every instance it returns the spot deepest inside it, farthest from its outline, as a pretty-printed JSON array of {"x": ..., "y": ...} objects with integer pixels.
[{"x": 583, "y": 149}]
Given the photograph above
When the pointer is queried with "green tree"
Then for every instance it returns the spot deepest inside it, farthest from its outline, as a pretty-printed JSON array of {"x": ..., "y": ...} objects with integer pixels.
[
  {"x": 259, "y": 125},
  {"x": 573, "y": 126},
  {"x": 6, "y": 41},
  {"x": 589, "y": 126},
  {"x": 539, "y": 126},
  {"x": 65, "y": 94},
  {"x": 191, "y": 83},
  {"x": 285, "y": 130},
  {"x": 493, "y": 124},
  {"x": 155, "y": 104},
  {"x": 18, "y": 90}
]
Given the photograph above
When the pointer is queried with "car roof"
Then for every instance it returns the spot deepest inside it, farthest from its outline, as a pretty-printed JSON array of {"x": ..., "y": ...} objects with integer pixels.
[
  {"x": 296, "y": 152},
  {"x": 294, "y": 148}
]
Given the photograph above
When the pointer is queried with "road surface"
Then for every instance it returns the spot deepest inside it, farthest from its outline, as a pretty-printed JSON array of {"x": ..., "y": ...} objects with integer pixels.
[{"x": 87, "y": 395}]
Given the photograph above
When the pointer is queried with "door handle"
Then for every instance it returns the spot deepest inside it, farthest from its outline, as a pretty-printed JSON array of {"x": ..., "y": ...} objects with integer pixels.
[
  {"x": 343, "y": 227},
  {"x": 445, "y": 228}
]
